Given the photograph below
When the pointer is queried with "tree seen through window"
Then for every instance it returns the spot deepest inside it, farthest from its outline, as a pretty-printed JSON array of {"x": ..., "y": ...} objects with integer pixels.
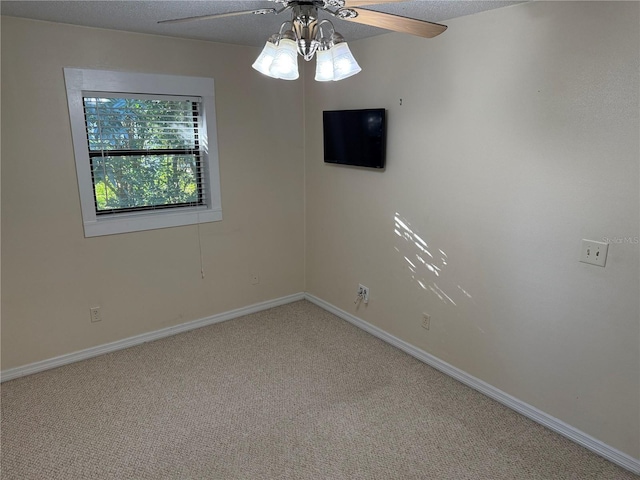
[{"x": 144, "y": 153}]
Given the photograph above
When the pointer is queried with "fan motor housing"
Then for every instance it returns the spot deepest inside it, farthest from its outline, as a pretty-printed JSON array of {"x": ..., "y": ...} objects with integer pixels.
[{"x": 305, "y": 27}]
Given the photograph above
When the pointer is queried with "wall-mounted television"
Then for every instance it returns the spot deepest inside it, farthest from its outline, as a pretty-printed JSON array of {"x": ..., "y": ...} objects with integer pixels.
[{"x": 355, "y": 137}]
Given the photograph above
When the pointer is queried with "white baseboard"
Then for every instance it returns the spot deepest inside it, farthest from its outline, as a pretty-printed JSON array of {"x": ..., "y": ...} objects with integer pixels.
[
  {"x": 36, "y": 367},
  {"x": 558, "y": 426}
]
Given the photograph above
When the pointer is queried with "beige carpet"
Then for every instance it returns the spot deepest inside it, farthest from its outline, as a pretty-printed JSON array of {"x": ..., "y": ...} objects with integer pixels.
[{"x": 289, "y": 393}]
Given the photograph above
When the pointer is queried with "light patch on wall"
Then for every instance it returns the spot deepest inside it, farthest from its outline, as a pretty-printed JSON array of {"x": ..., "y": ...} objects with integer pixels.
[{"x": 425, "y": 265}]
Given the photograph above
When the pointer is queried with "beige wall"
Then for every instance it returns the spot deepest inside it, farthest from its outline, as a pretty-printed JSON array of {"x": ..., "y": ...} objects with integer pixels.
[
  {"x": 518, "y": 136},
  {"x": 143, "y": 281}
]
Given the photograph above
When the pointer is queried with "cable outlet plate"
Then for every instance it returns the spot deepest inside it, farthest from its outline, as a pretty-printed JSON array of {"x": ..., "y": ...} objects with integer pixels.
[
  {"x": 594, "y": 253},
  {"x": 426, "y": 320}
]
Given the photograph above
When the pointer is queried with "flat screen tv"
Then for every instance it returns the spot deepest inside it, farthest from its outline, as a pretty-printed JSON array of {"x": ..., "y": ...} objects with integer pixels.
[{"x": 355, "y": 137}]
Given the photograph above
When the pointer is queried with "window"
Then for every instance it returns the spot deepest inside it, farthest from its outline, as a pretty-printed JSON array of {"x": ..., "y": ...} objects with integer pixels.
[
  {"x": 144, "y": 153},
  {"x": 145, "y": 150}
]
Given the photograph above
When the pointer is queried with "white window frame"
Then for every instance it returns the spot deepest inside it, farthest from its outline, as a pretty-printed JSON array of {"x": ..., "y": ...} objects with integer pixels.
[{"x": 80, "y": 80}]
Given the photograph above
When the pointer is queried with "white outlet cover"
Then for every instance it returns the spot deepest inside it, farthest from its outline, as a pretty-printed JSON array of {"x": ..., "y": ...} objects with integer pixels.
[
  {"x": 365, "y": 292},
  {"x": 594, "y": 253},
  {"x": 96, "y": 316}
]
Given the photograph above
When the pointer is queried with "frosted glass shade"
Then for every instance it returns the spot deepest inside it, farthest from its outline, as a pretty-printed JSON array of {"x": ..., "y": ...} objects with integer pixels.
[
  {"x": 265, "y": 59},
  {"x": 344, "y": 65},
  {"x": 324, "y": 66},
  {"x": 285, "y": 63}
]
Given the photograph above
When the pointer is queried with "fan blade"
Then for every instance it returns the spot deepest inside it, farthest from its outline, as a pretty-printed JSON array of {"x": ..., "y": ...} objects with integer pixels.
[
  {"x": 261, "y": 11},
  {"x": 397, "y": 23},
  {"x": 362, "y": 3}
]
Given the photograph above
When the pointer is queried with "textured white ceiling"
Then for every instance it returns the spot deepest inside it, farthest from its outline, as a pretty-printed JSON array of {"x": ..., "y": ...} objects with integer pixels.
[{"x": 142, "y": 16}]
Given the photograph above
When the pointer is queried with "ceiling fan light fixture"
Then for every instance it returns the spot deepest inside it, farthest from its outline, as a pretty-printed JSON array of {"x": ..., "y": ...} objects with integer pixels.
[
  {"x": 265, "y": 59},
  {"x": 324, "y": 66},
  {"x": 344, "y": 63},
  {"x": 279, "y": 59},
  {"x": 285, "y": 62}
]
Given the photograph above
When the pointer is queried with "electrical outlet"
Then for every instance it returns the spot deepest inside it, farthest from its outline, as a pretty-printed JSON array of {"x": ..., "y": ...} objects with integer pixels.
[
  {"x": 426, "y": 320},
  {"x": 255, "y": 279},
  {"x": 364, "y": 293},
  {"x": 96, "y": 316},
  {"x": 594, "y": 253}
]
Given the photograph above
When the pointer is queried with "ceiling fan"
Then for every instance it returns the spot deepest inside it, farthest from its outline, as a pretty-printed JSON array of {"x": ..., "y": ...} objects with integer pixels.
[{"x": 304, "y": 35}]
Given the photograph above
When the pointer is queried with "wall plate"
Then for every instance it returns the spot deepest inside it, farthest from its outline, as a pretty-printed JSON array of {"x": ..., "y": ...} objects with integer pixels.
[{"x": 594, "y": 253}]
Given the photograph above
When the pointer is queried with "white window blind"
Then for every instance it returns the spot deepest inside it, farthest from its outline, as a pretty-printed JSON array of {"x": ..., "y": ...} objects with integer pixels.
[{"x": 144, "y": 152}]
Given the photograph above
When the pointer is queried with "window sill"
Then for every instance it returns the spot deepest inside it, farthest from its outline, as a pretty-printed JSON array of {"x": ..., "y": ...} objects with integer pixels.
[{"x": 137, "y": 222}]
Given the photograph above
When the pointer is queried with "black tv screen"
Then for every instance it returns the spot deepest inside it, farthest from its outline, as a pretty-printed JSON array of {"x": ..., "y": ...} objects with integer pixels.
[{"x": 355, "y": 137}]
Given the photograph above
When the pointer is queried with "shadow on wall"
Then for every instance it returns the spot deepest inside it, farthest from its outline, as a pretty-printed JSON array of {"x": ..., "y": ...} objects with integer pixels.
[{"x": 426, "y": 268}]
